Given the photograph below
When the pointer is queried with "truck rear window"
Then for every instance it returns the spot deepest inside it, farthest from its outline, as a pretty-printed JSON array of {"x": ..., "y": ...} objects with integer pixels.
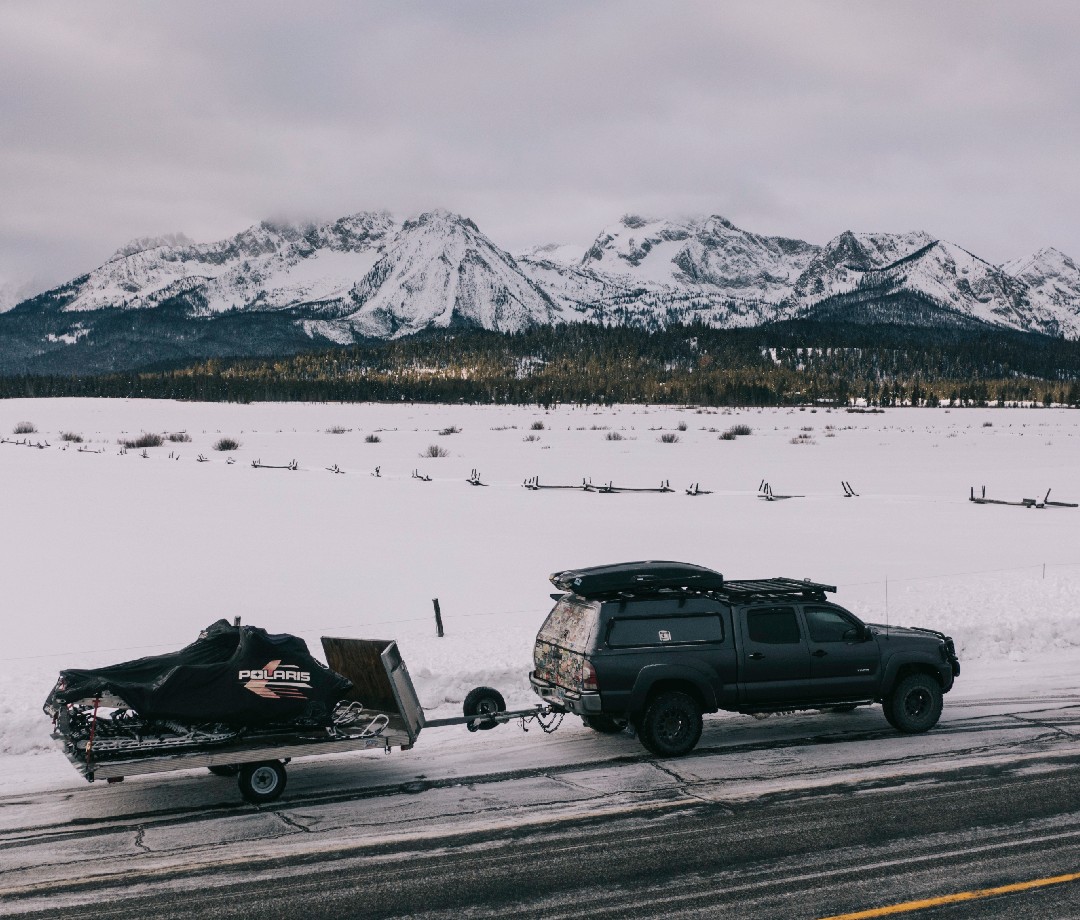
[
  {"x": 773, "y": 626},
  {"x": 570, "y": 625},
  {"x": 665, "y": 631}
]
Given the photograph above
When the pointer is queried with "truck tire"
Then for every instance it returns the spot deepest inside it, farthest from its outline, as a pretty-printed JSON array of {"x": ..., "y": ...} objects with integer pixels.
[
  {"x": 914, "y": 705},
  {"x": 606, "y": 725},
  {"x": 483, "y": 701},
  {"x": 262, "y": 782},
  {"x": 888, "y": 714},
  {"x": 671, "y": 724}
]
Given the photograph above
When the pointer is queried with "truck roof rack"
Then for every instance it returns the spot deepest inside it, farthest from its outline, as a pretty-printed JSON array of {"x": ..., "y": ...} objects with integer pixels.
[{"x": 766, "y": 588}]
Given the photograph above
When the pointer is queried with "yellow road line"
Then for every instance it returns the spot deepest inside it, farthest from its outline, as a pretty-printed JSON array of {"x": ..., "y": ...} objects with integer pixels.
[{"x": 955, "y": 898}]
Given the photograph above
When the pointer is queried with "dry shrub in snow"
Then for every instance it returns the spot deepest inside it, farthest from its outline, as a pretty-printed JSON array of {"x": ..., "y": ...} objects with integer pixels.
[
  {"x": 336, "y": 429},
  {"x": 146, "y": 439},
  {"x": 669, "y": 438},
  {"x": 681, "y": 426},
  {"x": 71, "y": 436},
  {"x": 372, "y": 439},
  {"x": 613, "y": 436},
  {"x": 741, "y": 430},
  {"x": 179, "y": 437},
  {"x": 434, "y": 451},
  {"x": 728, "y": 435},
  {"x": 25, "y": 428},
  {"x": 531, "y": 437},
  {"x": 226, "y": 444},
  {"x": 537, "y": 426},
  {"x": 453, "y": 429}
]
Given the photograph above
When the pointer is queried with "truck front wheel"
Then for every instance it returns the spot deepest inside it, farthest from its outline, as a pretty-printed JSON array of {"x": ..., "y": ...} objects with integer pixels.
[
  {"x": 914, "y": 705},
  {"x": 671, "y": 724}
]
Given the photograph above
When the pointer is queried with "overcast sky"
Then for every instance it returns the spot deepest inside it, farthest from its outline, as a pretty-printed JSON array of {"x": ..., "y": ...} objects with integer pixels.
[{"x": 542, "y": 121}]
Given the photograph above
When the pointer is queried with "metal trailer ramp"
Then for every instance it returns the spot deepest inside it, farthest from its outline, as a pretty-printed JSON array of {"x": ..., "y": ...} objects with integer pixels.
[{"x": 380, "y": 680}]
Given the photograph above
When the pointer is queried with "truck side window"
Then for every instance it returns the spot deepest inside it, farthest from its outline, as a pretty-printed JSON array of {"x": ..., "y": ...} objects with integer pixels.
[
  {"x": 626, "y": 633},
  {"x": 828, "y": 625},
  {"x": 773, "y": 626}
]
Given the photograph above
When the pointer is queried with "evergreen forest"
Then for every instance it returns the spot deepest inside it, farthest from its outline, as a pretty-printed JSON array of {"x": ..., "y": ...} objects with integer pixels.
[{"x": 797, "y": 362}]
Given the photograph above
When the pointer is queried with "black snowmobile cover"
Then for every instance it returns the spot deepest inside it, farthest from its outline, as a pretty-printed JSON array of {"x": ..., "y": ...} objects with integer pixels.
[{"x": 234, "y": 674}]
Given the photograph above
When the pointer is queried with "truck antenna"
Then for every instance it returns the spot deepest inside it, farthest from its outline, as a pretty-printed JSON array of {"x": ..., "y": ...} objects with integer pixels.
[{"x": 886, "y": 606}]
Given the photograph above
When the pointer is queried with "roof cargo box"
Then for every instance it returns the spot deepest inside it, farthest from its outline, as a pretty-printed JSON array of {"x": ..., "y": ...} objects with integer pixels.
[{"x": 637, "y": 577}]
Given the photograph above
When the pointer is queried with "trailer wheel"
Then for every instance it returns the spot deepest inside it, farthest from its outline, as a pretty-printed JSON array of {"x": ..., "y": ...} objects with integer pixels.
[
  {"x": 483, "y": 701},
  {"x": 262, "y": 782},
  {"x": 225, "y": 769}
]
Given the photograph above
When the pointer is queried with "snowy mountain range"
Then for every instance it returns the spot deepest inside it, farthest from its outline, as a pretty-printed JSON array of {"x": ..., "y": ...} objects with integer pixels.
[{"x": 283, "y": 287}]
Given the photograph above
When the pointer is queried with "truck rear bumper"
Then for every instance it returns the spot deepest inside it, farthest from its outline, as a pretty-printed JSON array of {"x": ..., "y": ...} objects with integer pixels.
[{"x": 579, "y": 702}]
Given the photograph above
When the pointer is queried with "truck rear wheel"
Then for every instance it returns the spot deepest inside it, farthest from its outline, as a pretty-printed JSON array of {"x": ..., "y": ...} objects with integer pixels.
[
  {"x": 671, "y": 724},
  {"x": 262, "y": 782},
  {"x": 915, "y": 704}
]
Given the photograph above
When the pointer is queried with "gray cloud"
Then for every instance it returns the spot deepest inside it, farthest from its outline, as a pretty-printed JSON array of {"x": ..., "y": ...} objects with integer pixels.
[{"x": 541, "y": 121}]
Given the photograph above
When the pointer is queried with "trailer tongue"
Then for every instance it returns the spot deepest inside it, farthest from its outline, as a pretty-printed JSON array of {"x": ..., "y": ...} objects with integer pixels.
[{"x": 380, "y": 711}]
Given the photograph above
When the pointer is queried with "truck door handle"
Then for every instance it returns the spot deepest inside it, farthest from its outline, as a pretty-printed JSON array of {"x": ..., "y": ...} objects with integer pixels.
[
  {"x": 820, "y": 653},
  {"x": 756, "y": 656}
]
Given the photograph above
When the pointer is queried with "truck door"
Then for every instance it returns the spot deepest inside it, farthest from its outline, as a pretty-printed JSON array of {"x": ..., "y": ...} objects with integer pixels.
[
  {"x": 774, "y": 657},
  {"x": 843, "y": 664}
]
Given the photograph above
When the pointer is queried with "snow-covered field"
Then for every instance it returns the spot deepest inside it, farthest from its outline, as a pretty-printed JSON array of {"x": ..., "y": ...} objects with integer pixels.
[{"x": 110, "y": 556}]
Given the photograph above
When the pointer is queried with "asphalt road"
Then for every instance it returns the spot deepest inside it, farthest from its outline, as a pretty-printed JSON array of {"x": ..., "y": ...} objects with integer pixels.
[{"x": 814, "y": 853}]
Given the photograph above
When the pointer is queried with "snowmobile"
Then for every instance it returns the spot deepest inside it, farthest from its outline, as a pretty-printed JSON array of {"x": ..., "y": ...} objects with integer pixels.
[{"x": 233, "y": 682}]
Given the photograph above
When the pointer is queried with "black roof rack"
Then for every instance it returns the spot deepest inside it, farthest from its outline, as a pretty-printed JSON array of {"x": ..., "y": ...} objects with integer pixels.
[{"x": 774, "y": 587}]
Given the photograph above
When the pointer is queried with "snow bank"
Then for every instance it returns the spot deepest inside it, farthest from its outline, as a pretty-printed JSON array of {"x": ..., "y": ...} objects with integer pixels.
[{"x": 115, "y": 556}]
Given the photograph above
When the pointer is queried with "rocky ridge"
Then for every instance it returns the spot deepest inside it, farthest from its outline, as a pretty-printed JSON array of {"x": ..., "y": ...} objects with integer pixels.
[{"x": 371, "y": 275}]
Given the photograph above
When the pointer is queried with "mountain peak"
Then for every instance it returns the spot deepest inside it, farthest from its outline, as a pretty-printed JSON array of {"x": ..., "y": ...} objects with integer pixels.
[
  {"x": 144, "y": 243},
  {"x": 440, "y": 218}
]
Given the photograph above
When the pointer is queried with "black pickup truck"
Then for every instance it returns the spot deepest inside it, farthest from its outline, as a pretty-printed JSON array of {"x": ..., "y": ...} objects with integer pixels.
[{"x": 656, "y": 644}]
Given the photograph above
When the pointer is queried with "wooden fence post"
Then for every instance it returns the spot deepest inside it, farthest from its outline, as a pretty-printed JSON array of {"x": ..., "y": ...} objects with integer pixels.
[{"x": 438, "y": 618}]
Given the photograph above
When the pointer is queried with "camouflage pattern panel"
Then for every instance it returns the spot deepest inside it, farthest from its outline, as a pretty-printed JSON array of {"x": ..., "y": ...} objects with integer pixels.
[{"x": 562, "y": 640}]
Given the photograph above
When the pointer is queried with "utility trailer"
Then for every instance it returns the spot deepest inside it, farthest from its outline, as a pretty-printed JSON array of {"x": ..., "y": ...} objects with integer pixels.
[{"x": 391, "y": 717}]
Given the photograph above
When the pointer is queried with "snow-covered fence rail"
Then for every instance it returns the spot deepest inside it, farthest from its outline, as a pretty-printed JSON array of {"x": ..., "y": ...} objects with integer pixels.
[
  {"x": 981, "y": 499},
  {"x": 259, "y": 465}
]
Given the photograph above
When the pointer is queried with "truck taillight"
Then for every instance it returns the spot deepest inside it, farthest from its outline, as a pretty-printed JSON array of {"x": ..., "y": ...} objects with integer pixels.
[{"x": 588, "y": 676}]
